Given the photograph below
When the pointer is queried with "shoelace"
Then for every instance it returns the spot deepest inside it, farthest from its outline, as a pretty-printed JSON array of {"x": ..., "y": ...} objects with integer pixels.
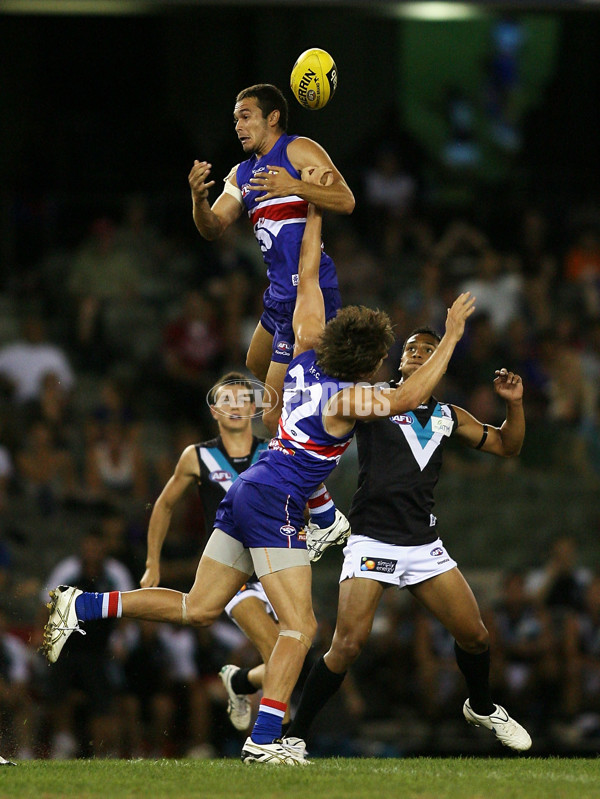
[{"x": 63, "y": 628}]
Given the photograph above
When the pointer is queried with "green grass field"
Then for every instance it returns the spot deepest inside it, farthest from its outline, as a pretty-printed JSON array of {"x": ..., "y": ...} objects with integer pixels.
[{"x": 415, "y": 778}]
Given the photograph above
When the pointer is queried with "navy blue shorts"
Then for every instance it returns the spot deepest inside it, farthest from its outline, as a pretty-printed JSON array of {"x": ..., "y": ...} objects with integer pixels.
[
  {"x": 277, "y": 320},
  {"x": 261, "y": 516}
]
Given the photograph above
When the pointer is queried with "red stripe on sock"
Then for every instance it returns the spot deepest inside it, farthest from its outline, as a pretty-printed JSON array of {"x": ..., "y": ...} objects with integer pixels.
[
  {"x": 113, "y": 603},
  {"x": 323, "y": 499},
  {"x": 274, "y": 704}
]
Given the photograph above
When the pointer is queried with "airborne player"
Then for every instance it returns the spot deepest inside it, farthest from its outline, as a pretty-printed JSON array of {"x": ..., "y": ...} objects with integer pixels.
[{"x": 268, "y": 186}]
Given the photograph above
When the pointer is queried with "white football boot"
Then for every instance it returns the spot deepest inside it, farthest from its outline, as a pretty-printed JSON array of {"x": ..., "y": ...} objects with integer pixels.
[
  {"x": 318, "y": 539},
  {"x": 239, "y": 708},
  {"x": 508, "y": 731},
  {"x": 297, "y": 745},
  {"x": 273, "y": 754},
  {"x": 62, "y": 621}
]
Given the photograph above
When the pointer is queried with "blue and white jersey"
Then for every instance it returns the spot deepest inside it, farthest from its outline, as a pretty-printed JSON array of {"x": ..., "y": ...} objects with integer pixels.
[
  {"x": 279, "y": 225},
  {"x": 303, "y": 453},
  {"x": 399, "y": 461},
  {"x": 218, "y": 472}
]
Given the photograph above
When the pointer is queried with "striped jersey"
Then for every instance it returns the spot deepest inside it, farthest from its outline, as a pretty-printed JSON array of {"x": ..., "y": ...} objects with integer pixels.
[
  {"x": 303, "y": 453},
  {"x": 399, "y": 462},
  {"x": 279, "y": 225},
  {"x": 218, "y": 472}
]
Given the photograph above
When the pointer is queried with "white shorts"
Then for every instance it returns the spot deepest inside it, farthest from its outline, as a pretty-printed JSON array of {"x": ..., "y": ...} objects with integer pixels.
[
  {"x": 387, "y": 563},
  {"x": 248, "y": 590}
]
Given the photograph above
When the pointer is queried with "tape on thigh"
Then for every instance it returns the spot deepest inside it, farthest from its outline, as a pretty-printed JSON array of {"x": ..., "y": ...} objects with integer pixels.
[
  {"x": 228, "y": 550},
  {"x": 268, "y": 560}
]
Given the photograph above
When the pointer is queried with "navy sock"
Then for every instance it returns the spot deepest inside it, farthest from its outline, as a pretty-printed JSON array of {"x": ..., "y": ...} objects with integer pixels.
[
  {"x": 321, "y": 507},
  {"x": 320, "y": 686},
  {"x": 267, "y": 726},
  {"x": 241, "y": 684},
  {"x": 89, "y": 606},
  {"x": 476, "y": 671}
]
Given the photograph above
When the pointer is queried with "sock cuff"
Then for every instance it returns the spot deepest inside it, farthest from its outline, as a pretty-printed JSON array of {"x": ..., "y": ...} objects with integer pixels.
[
  {"x": 273, "y": 707},
  {"x": 112, "y": 605},
  {"x": 319, "y": 498}
]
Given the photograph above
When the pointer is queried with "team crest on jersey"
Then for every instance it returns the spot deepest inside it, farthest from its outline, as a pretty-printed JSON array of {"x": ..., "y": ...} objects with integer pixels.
[
  {"x": 220, "y": 476},
  {"x": 287, "y": 530},
  {"x": 381, "y": 565},
  {"x": 402, "y": 419},
  {"x": 435, "y": 553}
]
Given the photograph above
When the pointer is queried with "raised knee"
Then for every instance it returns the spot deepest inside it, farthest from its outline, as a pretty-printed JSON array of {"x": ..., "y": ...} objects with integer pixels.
[
  {"x": 347, "y": 648},
  {"x": 254, "y": 365},
  {"x": 477, "y": 641},
  {"x": 197, "y": 616}
]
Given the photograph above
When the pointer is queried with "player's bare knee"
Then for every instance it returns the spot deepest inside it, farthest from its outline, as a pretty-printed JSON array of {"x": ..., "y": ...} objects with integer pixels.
[
  {"x": 198, "y": 616},
  {"x": 256, "y": 366},
  {"x": 346, "y": 648},
  {"x": 476, "y": 641}
]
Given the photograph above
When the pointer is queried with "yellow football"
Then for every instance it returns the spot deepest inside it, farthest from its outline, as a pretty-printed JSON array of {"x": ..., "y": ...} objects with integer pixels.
[{"x": 314, "y": 79}]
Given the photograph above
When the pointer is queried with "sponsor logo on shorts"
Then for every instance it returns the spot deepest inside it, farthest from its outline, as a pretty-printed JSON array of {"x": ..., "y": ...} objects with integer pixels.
[
  {"x": 302, "y": 535},
  {"x": 382, "y": 565},
  {"x": 220, "y": 476},
  {"x": 435, "y": 553},
  {"x": 445, "y": 560},
  {"x": 402, "y": 419},
  {"x": 288, "y": 530}
]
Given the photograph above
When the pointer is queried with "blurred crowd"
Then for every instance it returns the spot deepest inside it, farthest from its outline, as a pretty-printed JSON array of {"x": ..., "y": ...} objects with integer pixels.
[{"x": 108, "y": 346}]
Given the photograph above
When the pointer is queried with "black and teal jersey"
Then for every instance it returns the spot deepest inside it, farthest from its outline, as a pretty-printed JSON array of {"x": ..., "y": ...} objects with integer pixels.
[
  {"x": 399, "y": 461},
  {"x": 218, "y": 472}
]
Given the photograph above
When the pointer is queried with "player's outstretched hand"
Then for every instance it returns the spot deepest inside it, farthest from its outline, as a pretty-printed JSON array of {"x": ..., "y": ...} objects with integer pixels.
[
  {"x": 198, "y": 180},
  {"x": 508, "y": 385},
  {"x": 462, "y": 307},
  {"x": 320, "y": 175},
  {"x": 275, "y": 182}
]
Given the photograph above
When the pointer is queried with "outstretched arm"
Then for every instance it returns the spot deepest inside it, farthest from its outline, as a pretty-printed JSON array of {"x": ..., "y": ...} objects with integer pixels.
[
  {"x": 309, "y": 312},
  {"x": 507, "y": 439},
  {"x": 211, "y": 222},
  {"x": 186, "y": 472},
  {"x": 367, "y": 403}
]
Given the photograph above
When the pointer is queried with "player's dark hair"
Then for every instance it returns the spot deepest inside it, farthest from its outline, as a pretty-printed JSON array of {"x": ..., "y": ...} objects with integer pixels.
[
  {"x": 268, "y": 98},
  {"x": 353, "y": 343},
  {"x": 230, "y": 379},
  {"x": 425, "y": 330}
]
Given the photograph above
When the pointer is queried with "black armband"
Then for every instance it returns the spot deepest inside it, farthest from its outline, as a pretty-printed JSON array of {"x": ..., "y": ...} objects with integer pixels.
[{"x": 483, "y": 437}]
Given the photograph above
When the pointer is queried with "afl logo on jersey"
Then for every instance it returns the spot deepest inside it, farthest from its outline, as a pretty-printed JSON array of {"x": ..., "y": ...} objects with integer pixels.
[
  {"x": 402, "y": 419},
  {"x": 220, "y": 476},
  {"x": 288, "y": 530},
  {"x": 435, "y": 553}
]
